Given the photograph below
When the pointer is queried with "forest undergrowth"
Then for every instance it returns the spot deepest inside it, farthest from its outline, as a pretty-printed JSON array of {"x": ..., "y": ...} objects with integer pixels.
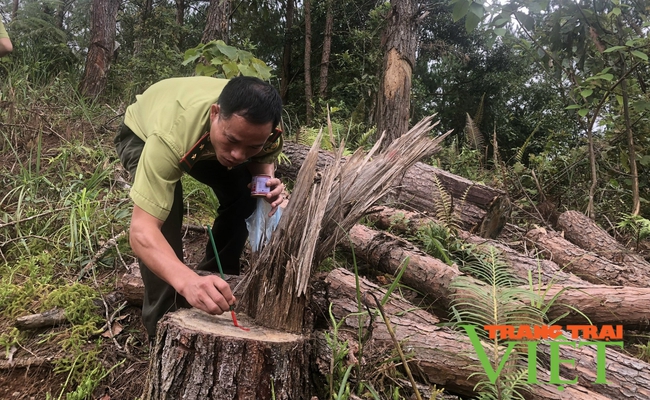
[{"x": 64, "y": 214}]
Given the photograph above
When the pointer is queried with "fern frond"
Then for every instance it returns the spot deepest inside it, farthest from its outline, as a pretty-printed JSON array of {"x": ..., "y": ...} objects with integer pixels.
[
  {"x": 444, "y": 209},
  {"x": 520, "y": 153},
  {"x": 473, "y": 136}
]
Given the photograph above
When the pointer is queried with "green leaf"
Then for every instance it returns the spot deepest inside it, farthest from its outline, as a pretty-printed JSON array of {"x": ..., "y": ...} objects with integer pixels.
[
  {"x": 645, "y": 161},
  {"x": 460, "y": 10},
  {"x": 614, "y": 48},
  {"x": 471, "y": 22},
  {"x": 205, "y": 70},
  {"x": 641, "y": 105},
  {"x": 586, "y": 93},
  {"x": 229, "y": 51},
  {"x": 640, "y": 55},
  {"x": 191, "y": 55},
  {"x": 477, "y": 9},
  {"x": 500, "y": 31},
  {"x": 616, "y": 11},
  {"x": 607, "y": 77},
  {"x": 572, "y": 107},
  {"x": 583, "y": 112},
  {"x": 230, "y": 69},
  {"x": 500, "y": 21},
  {"x": 527, "y": 21},
  {"x": 619, "y": 100},
  {"x": 246, "y": 70}
]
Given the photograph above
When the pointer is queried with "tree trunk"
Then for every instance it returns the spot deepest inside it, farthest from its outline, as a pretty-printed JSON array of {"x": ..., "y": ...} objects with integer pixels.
[
  {"x": 14, "y": 10},
  {"x": 442, "y": 356},
  {"x": 410, "y": 223},
  {"x": 217, "y": 21},
  {"x": 631, "y": 151},
  {"x": 102, "y": 43},
  {"x": 603, "y": 305},
  {"x": 585, "y": 233},
  {"x": 586, "y": 264},
  {"x": 399, "y": 46},
  {"x": 147, "y": 9},
  {"x": 309, "y": 109},
  {"x": 61, "y": 9},
  {"x": 418, "y": 189},
  {"x": 180, "y": 12},
  {"x": 200, "y": 356},
  {"x": 286, "y": 53},
  {"x": 327, "y": 46}
]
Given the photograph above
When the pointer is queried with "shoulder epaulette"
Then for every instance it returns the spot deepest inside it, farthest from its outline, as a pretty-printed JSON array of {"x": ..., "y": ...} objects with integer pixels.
[
  {"x": 272, "y": 142},
  {"x": 189, "y": 159}
]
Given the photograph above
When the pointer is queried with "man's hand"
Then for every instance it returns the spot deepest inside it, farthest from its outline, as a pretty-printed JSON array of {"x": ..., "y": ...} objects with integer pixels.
[
  {"x": 208, "y": 293},
  {"x": 275, "y": 196}
]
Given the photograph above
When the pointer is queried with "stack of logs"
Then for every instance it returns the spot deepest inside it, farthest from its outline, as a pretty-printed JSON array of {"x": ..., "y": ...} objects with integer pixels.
[{"x": 577, "y": 261}]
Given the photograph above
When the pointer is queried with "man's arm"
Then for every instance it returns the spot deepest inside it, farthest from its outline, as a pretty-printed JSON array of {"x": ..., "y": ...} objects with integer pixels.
[
  {"x": 208, "y": 293},
  {"x": 5, "y": 46}
]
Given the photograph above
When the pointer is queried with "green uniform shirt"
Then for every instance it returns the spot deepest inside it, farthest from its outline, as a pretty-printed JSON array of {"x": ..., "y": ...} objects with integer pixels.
[
  {"x": 170, "y": 117},
  {"x": 3, "y": 31}
]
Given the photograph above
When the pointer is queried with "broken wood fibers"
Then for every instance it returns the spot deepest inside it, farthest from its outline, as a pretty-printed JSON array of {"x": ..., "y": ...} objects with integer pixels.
[{"x": 324, "y": 206}]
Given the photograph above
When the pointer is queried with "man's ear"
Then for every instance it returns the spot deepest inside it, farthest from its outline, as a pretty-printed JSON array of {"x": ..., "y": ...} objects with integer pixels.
[{"x": 214, "y": 112}]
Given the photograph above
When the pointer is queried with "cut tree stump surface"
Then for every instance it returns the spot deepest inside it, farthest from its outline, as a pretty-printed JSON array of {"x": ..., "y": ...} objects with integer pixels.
[{"x": 201, "y": 356}]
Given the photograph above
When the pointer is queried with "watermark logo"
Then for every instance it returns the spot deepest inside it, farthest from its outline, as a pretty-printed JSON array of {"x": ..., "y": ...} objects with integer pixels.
[{"x": 529, "y": 336}]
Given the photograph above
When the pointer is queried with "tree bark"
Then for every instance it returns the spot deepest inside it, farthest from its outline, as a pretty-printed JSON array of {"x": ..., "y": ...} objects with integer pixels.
[
  {"x": 634, "y": 174},
  {"x": 585, "y": 233},
  {"x": 217, "y": 22},
  {"x": 325, "y": 55},
  {"x": 418, "y": 189},
  {"x": 410, "y": 223},
  {"x": 200, "y": 356},
  {"x": 585, "y": 264},
  {"x": 442, "y": 356},
  {"x": 399, "y": 44},
  {"x": 309, "y": 109},
  {"x": 180, "y": 12},
  {"x": 100, "y": 53},
  {"x": 603, "y": 305},
  {"x": 14, "y": 10},
  {"x": 147, "y": 9},
  {"x": 286, "y": 53}
]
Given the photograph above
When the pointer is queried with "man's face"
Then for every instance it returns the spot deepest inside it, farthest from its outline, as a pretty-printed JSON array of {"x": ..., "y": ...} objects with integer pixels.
[{"x": 235, "y": 140}]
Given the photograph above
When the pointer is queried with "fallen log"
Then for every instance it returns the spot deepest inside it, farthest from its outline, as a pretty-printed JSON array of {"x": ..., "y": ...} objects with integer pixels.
[
  {"x": 441, "y": 355},
  {"x": 480, "y": 207},
  {"x": 199, "y": 356},
  {"x": 586, "y": 264},
  {"x": 581, "y": 230},
  {"x": 53, "y": 317},
  {"x": 627, "y": 377},
  {"x": 132, "y": 286},
  {"x": 56, "y": 316},
  {"x": 541, "y": 270},
  {"x": 603, "y": 305}
]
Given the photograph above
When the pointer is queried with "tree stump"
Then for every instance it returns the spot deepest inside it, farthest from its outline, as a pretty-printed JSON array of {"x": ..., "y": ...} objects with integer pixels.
[{"x": 201, "y": 356}]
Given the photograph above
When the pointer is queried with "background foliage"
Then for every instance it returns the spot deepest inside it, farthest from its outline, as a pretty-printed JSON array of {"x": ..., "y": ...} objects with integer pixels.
[{"x": 519, "y": 82}]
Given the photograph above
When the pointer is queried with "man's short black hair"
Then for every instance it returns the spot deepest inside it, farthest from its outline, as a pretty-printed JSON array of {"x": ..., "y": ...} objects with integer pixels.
[{"x": 251, "y": 98}]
